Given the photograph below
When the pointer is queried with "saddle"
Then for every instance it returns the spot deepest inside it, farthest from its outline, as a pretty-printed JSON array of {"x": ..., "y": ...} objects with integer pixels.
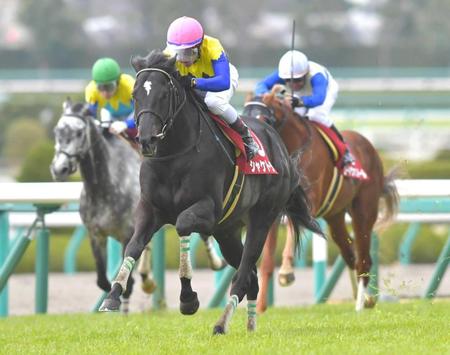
[{"x": 337, "y": 150}]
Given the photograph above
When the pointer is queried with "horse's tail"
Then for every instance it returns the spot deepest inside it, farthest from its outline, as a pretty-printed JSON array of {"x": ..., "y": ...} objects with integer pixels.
[
  {"x": 298, "y": 210},
  {"x": 390, "y": 197}
]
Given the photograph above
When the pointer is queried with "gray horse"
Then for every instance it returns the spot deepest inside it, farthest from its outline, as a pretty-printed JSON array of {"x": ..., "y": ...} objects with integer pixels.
[{"x": 109, "y": 168}]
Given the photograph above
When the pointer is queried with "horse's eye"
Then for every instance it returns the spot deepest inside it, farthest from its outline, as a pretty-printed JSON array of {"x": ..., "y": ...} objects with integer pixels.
[{"x": 79, "y": 133}]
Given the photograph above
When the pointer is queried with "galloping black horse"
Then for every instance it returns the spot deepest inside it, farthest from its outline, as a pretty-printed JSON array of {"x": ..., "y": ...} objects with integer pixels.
[{"x": 184, "y": 179}]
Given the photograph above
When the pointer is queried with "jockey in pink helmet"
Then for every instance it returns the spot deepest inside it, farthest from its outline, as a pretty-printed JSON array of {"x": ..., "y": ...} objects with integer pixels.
[{"x": 204, "y": 65}]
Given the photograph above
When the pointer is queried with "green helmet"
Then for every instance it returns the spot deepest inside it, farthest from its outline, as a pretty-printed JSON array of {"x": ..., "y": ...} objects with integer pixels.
[{"x": 105, "y": 70}]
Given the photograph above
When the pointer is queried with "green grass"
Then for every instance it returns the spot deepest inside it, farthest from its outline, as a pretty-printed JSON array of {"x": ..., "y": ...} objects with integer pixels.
[{"x": 411, "y": 328}]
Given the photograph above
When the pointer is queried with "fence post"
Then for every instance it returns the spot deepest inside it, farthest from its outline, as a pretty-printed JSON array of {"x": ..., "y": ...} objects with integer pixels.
[
  {"x": 222, "y": 286},
  {"x": 439, "y": 271},
  {"x": 328, "y": 286},
  {"x": 158, "y": 263},
  {"x": 4, "y": 247},
  {"x": 42, "y": 251},
  {"x": 70, "y": 256},
  {"x": 319, "y": 260},
  {"x": 407, "y": 242}
]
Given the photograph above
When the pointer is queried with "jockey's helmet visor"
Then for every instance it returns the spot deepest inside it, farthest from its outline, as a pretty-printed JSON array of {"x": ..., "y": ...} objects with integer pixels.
[
  {"x": 296, "y": 80},
  {"x": 107, "y": 87},
  {"x": 187, "y": 55}
]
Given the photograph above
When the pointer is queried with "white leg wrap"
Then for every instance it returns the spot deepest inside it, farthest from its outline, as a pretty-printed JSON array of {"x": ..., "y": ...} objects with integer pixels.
[
  {"x": 214, "y": 261},
  {"x": 359, "y": 306},
  {"x": 124, "y": 272},
  {"x": 251, "y": 315},
  {"x": 185, "y": 258},
  {"x": 144, "y": 261}
]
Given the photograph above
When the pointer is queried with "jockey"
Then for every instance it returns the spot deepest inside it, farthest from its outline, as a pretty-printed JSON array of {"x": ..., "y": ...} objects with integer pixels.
[
  {"x": 110, "y": 91},
  {"x": 203, "y": 65},
  {"x": 314, "y": 90}
]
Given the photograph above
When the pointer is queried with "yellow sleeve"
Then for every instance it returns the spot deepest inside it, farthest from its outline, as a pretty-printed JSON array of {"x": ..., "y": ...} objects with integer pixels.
[{"x": 127, "y": 82}]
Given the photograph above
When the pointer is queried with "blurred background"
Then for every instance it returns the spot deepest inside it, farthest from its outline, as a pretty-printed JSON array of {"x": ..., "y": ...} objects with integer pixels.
[{"x": 391, "y": 59}]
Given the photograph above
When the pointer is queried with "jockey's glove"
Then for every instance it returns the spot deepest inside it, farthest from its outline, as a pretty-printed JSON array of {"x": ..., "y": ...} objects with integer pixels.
[
  {"x": 297, "y": 102},
  {"x": 118, "y": 127},
  {"x": 188, "y": 81}
]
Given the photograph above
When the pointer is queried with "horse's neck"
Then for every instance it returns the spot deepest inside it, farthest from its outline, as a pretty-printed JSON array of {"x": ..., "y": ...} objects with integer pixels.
[
  {"x": 183, "y": 134},
  {"x": 94, "y": 164},
  {"x": 296, "y": 133}
]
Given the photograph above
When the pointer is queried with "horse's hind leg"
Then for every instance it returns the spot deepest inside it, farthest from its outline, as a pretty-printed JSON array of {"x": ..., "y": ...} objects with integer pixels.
[
  {"x": 245, "y": 281},
  {"x": 286, "y": 275},
  {"x": 144, "y": 269},
  {"x": 267, "y": 267},
  {"x": 364, "y": 213},
  {"x": 216, "y": 263},
  {"x": 342, "y": 238}
]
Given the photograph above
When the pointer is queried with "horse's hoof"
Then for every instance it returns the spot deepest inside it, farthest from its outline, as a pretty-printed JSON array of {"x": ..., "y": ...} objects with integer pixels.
[
  {"x": 218, "y": 266},
  {"x": 286, "y": 279},
  {"x": 110, "y": 305},
  {"x": 370, "y": 302},
  {"x": 218, "y": 329},
  {"x": 190, "y": 307},
  {"x": 251, "y": 325},
  {"x": 148, "y": 286}
]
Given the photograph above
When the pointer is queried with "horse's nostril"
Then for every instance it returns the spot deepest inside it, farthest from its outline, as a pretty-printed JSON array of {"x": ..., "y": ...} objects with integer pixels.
[{"x": 65, "y": 170}]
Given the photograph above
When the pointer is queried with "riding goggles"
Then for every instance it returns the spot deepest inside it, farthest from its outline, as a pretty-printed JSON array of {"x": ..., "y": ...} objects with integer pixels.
[
  {"x": 188, "y": 55},
  {"x": 107, "y": 87},
  {"x": 295, "y": 80}
]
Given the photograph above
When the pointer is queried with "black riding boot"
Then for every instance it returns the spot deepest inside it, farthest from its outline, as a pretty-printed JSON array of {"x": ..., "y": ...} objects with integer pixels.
[
  {"x": 251, "y": 148},
  {"x": 348, "y": 157}
]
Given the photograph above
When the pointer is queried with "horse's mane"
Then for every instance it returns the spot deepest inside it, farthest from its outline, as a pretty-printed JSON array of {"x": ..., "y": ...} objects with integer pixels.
[{"x": 155, "y": 59}]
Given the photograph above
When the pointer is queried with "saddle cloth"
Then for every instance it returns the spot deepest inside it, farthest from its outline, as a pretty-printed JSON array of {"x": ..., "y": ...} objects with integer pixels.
[
  {"x": 337, "y": 149},
  {"x": 260, "y": 164}
]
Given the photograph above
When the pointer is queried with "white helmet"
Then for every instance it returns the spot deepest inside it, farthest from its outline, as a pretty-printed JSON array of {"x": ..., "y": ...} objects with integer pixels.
[{"x": 295, "y": 60}]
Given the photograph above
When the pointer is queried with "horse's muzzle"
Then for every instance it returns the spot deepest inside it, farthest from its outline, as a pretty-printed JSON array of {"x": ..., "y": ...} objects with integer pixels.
[{"x": 148, "y": 146}]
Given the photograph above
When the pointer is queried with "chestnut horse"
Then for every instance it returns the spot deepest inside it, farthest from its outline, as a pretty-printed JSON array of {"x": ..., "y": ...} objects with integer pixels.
[{"x": 358, "y": 198}]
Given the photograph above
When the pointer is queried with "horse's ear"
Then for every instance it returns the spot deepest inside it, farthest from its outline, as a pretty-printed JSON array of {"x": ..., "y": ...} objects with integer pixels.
[
  {"x": 137, "y": 62},
  {"x": 172, "y": 61},
  {"x": 67, "y": 104}
]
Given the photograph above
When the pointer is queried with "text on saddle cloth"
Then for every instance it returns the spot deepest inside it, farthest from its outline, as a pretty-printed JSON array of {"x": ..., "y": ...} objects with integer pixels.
[
  {"x": 260, "y": 164},
  {"x": 337, "y": 149}
]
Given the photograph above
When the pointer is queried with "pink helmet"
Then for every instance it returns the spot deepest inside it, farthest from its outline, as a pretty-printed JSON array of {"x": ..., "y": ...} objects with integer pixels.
[{"x": 184, "y": 32}]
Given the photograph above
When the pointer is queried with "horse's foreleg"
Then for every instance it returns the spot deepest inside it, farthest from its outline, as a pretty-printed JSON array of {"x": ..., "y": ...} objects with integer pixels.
[
  {"x": 216, "y": 263},
  {"x": 286, "y": 275},
  {"x": 144, "y": 269},
  {"x": 267, "y": 267},
  {"x": 197, "y": 218},
  {"x": 145, "y": 226},
  {"x": 98, "y": 247},
  {"x": 188, "y": 298}
]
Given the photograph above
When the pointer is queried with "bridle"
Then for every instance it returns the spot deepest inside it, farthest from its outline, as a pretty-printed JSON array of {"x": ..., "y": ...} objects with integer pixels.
[
  {"x": 175, "y": 105},
  {"x": 79, "y": 154}
]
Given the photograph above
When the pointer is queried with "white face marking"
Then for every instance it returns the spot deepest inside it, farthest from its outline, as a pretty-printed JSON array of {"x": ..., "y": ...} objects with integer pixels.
[{"x": 148, "y": 86}]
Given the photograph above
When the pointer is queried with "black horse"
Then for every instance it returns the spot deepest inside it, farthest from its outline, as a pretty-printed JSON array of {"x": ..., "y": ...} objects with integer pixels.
[{"x": 185, "y": 177}]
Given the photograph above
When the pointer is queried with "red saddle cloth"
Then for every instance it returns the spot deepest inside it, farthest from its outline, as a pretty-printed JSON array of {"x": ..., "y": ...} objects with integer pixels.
[
  {"x": 260, "y": 164},
  {"x": 337, "y": 147}
]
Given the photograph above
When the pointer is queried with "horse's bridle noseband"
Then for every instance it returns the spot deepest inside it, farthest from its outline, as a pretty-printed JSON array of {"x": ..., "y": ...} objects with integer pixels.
[
  {"x": 173, "y": 102},
  {"x": 76, "y": 155}
]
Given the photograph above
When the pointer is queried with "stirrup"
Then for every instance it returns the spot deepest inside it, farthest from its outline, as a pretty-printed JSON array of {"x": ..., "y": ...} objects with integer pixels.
[{"x": 251, "y": 149}]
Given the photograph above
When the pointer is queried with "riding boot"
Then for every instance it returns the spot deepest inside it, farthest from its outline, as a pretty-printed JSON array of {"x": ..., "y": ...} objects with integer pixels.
[
  {"x": 347, "y": 158},
  {"x": 251, "y": 148}
]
